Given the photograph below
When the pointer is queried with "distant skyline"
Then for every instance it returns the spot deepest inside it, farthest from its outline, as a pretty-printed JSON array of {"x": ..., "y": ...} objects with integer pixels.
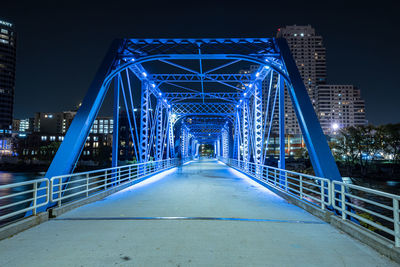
[{"x": 60, "y": 46}]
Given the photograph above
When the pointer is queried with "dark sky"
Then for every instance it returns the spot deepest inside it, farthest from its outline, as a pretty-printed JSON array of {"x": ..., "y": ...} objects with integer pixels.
[{"x": 60, "y": 45}]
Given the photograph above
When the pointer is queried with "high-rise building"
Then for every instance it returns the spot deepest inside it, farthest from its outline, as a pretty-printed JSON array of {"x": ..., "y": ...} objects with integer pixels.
[
  {"x": 339, "y": 106},
  {"x": 53, "y": 123},
  {"x": 7, "y": 73},
  {"x": 310, "y": 57}
]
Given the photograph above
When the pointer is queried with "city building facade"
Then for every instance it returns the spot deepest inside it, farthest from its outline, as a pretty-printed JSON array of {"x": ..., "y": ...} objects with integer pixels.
[
  {"x": 53, "y": 122},
  {"x": 7, "y": 73},
  {"x": 309, "y": 54},
  {"x": 339, "y": 106}
]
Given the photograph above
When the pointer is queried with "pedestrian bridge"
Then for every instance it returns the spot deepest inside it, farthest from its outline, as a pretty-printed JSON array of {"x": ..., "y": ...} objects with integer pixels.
[{"x": 201, "y": 213}]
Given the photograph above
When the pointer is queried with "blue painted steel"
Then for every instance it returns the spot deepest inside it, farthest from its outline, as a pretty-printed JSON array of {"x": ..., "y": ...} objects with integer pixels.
[
  {"x": 282, "y": 165},
  {"x": 320, "y": 154},
  {"x": 115, "y": 141},
  {"x": 239, "y": 98}
]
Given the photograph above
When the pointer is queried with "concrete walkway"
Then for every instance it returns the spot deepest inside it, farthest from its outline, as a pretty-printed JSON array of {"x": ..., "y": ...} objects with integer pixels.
[{"x": 121, "y": 229}]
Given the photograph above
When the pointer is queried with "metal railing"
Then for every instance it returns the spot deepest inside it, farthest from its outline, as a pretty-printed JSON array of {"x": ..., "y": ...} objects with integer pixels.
[
  {"x": 19, "y": 199},
  {"x": 312, "y": 189},
  {"x": 71, "y": 187},
  {"x": 23, "y": 197},
  {"x": 375, "y": 210}
]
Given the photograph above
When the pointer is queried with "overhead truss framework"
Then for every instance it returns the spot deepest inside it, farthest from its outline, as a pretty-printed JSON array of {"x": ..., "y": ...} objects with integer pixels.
[{"x": 197, "y": 91}]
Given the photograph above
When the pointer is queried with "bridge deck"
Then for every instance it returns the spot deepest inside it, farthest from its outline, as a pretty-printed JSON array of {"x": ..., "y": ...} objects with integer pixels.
[{"x": 111, "y": 231}]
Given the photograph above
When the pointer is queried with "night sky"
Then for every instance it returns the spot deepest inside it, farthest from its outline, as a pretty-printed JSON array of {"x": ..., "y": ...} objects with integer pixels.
[{"x": 60, "y": 45}]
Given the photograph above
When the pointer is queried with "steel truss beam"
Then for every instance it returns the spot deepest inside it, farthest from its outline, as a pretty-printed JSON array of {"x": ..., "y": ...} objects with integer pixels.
[
  {"x": 159, "y": 128},
  {"x": 258, "y": 127},
  {"x": 219, "y": 109},
  {"x": 242, "y": 78},
  {"x": 132, "y": 53},
  {"x": 177, "y": 96},
  {"x": 145, "y": 122}
]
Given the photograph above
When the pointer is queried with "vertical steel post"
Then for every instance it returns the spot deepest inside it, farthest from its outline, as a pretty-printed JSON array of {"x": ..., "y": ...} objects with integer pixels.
[
  {"x": 245, "y": 129},
  {"x": 320, "y": 154},
  {"x": 159, "y": 129},
  {"x": 281, "y": 85},
  {"x": 144, "y": 123},
  {"x": 171, "y": 133},
  {"x": 257, "y": 125},
  {"x": 115, "y": 141}
]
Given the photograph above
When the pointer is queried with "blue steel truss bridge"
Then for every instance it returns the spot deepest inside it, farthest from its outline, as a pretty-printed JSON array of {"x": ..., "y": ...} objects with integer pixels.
[{"x": 180, "y": 94}]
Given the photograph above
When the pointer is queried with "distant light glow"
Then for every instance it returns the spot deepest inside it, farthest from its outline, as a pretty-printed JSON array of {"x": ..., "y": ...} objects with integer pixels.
[
  {"x": 154, "y": 86},
  {"x": 245, "y": 94},
  {"x": 257, "y": 74},
  {"x": 237, "y": 106},
  {"x": 159, "y": 94},
  {"x": 132, "y": 59},
  {"x": 144, "y": 74},
  {"x": 335, "y": 126},
  {"x": 266, "y": 67}
]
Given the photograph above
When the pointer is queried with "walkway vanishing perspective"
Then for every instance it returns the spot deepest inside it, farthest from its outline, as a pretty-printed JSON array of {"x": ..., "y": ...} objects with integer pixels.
[{"x": 201, "y": 214}]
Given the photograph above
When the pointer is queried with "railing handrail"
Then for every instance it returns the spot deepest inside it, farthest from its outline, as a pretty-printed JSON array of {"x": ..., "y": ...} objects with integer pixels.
[
  {"x": 340, "y": 198},
  {"x": 368, "y": 190},
  {"x": 111, "y": 168},
  {"x": 278, "y": 169},
  {"x": 11, "y": 185}
]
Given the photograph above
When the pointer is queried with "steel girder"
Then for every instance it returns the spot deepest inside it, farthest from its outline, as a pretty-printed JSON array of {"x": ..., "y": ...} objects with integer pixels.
[
  {"x": 243, "y": 46},
  {"x": 225, "y": 142},
  {"x": 211, "y": 77},
  {"x": 218, "y": 109},
  {"x": 258, "y": 122},
  {"x": 245, "y": 129},
  {"x": 320, "y": 154},
  {"x": 171, "y": 142},
  {"x": 145, "y": 123},
  {"x": 178, "y": 96},
  {"x": 159, "y": 129},
  {"x": 132, "y": 53}
]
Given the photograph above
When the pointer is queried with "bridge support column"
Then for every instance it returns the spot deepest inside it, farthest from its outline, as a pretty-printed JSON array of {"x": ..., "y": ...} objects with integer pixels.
[
  {"x": 225, "y": 144},
  {"x": 281, "y": 85},
  {"x": 257, "y": 126},
  {"x": 171, "y": 141},
  {"x": 159, "y": 129},
  {"x": 245, "y": 129},
  {"x": 236, "y": 137},
  {"x": 115, "y": 140},
  {"x": 144, "y": 127},
  {"x": 320, "y": 154}
]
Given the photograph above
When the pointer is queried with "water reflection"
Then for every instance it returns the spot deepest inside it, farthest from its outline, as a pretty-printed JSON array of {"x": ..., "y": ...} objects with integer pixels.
[{"x": 10, "y": 178}]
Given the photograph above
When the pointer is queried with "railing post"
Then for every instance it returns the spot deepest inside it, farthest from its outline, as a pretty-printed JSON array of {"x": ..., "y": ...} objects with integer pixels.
[
  {"x": 275, "y": 177},
  {"x": 322, "y": 195},
  {"x": 34, "y": 198},
  {"x": 286, "y": 183},
  {"x": 129, "y": 173},
  {"x": 59, "y": 192},
  {"x": 343, "y": 200},
  {"x": 301, "y": 187},
  {"x": 105, "y": 180},
  {"x": 396, "y": 222},
  {"x": 119, "y": 175},
  {"x": 87, "y": 184}
]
